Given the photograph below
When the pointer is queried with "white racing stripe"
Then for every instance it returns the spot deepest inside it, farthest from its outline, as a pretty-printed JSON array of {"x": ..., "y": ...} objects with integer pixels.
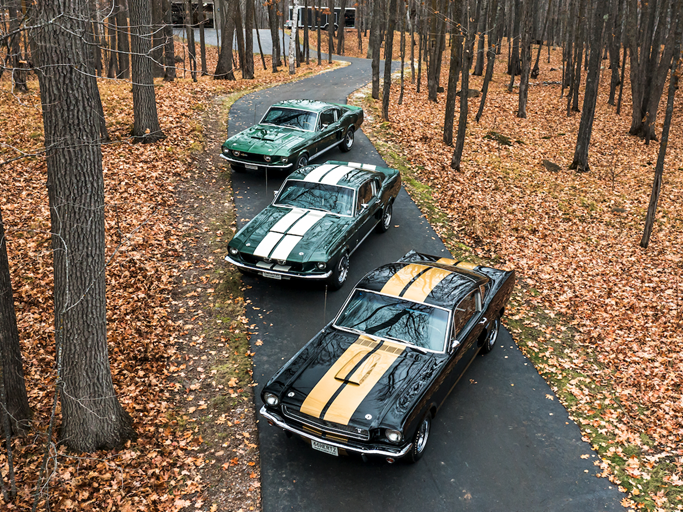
[
  {"x": 283, "y": 249},
  {"x": 269, "y": 241},
  {"x": 369, "y": 167},
  {"x": 286, "y": 222},
  {"x": 319, "y": 172},
  {"x": 302, "y": 227},
  {"x": 333, "y": 177}
]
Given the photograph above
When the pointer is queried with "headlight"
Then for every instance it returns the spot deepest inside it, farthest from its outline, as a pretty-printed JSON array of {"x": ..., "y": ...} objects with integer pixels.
[
  {"x": 281, "y": 262},
  {"x": 236, "y": 153},
  {"x": 226, "y": 151},
  {"x": 233, "y": 251},
  {"x": 284, "y": 160},
  {"x": 272, "y": 399},
  {"x": 267, "y": 158},
  {"x": 394, "y": 436},
  {"x": 321, "y": 265}
]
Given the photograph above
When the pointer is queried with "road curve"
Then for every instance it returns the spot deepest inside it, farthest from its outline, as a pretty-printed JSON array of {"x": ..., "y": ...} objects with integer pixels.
[{"x": 498, "y": 444}]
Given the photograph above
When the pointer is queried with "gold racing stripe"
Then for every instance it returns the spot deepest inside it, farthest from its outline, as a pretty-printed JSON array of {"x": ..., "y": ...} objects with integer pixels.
[
  {"x": 352, "y": 395},
  {"x": 328, "y": 385},
  {"x": 462, "y": 264},
  {"x": 424, "y": 284},
  {"x": 447, "y": 261},
  {"x": 400, "y": 279}
]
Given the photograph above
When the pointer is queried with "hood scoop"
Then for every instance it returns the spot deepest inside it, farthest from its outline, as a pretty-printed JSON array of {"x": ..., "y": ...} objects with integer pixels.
[{"x": 347, "y": 375}]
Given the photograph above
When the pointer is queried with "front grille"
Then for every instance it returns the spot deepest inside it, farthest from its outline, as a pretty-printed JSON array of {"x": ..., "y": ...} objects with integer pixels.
[
  {"x": 252, "y": 157},
  {"x": 327, "y": 426},
  {"x": 254, "y": 260}
]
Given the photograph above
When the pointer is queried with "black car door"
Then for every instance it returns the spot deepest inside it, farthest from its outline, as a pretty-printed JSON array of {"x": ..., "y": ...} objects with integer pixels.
[
  {"x": 367, "y": 206},
  {"x": 468, "y": 324},
  {"x": 327, "y": 123}
]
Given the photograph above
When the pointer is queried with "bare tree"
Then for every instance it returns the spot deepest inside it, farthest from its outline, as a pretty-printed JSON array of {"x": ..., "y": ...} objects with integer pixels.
[
  {"x": 526, "y": 59},
  {"x": 248, "y": 69},
  {"x": 224, "y": 70},
  {"x": 453, "y": 72},
  {"x": 122, "y": 38},
  {"x": 464, "y": 96},
  {"x": 169, "y": 46},
  {"x": 340, "y": 30},
  {"x": 92, "y": 417},
  {"x": 191, "y": 47},
  {"x": 497, "y": 15},
  {"x": 388, "y": 52},
  {"x": 535, "y": 70},
  {"x": 14, "y": 48},
  {"x": 375, "y": 43}
]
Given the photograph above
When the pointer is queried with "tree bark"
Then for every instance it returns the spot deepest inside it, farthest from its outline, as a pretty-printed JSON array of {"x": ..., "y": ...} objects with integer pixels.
[
  {"x": 375, "y": 43},
  {"x": 319, "y": 39},
  {"x": 462, "y": 120},
  {"x": 614, "y": 47},
  {"x": 258, "y": 40},
  {"x": 490, "y": 58},
  {"x": 274, "y": 37},
  {"x": 481, "y": 30},
  {"x": 293, "y": 38},
  {"x": 92, "y": 417},
  {"x": 202, "y": 36},
  {"x": 330, "y": 32},
  {"x": 659, "y": 168},
  {"x": 535, "y": 70},
  {"x": 239, "y": 31},
  {"x": 146, "y": 127},
  {"x": 122, "y": 39},
  {"x": 10, "y": 349},
  {"x": 224, "y": 70},
  {"x": 169, "y": 46},
  {"x": 191, "y": 47},
  {"x": 453, "y": 72},
  {"x": 248, "y": 70},
  {"x": 113, "y": 65},
  {"x": 580, "y": 162},
  {"x": 157, "y": 53},
  {"x": 14, "y": 47},
  {"x": 340, "y": 31},
  {"x": 435, "y": 46},
  {"x": 526, "y": 59},
  {"x": 388, "y": 52},
  {"x": 403, "y": 48}
]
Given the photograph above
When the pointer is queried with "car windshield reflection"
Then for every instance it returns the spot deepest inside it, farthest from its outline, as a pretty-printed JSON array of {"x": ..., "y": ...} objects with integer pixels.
[
  {"x": 291, "y": 118},
  {"x": 316, "y": 196},
  {"x": 393, "y": 318}
]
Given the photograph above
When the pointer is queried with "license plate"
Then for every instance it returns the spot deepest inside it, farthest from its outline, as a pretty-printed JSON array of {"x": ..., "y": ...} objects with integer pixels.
[
  {"x": 325, "y": 448},
  {"x": 270, "y": 275},
  {"x": 251, "y": 166}
]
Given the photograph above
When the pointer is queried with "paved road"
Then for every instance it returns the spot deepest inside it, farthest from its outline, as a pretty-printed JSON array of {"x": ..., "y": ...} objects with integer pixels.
[
  {"x": 498, "y": 444},
  {"x": 211, "y": 37}
]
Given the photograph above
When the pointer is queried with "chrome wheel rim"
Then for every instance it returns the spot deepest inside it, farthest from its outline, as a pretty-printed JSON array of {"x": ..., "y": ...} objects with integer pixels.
[
  {"x": 493, "y": 334},
  {"x": 303, "y": 161},
  {"x": 343, "y": 269},
  {"x": 386, "y": 219},
  {"x": 349, "y": 138},
  {"x": 422, "y": 435}
]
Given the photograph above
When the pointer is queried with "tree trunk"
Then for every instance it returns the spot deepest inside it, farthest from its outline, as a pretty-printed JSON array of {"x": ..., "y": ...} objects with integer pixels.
[
  {"x": 10, "y": 350},
  {"x": 122, "y": 39},
  {"x": 157, "y": 52},
  {"x": 613, "y": 40},
  {"x": 580, "y": 162},
  {"x": 621, "y": 85},
  {"x": 202, "y": 36},
  {"x": 239, "y": 31},
  {"x": 659, "y": 169},
  {"x": 435, "y": 48},
  {"x": 481, "y": 29},
  {"x": 535, "y": 70},
  {"x": 90, "y": 39},
  {"x": 224, "y": 70},
  {"x": 169, "y": 46},
  {"x": 92, "y": 417},
  {"x": 403, "y": 49},
  {"x": 146, "y": 127},
  {"x": 258, "y": 40},
  {"x": 375, "y": 43},
  {"x": 514, "y": 67},
  {"x": 360, "y": 19},
  {"x": 462, "y": 120},
  {"x": 319, "y": 41},
  {"x": 274, "y": 37},
  {"x": 526, "y": 59},
  {"x": 330, "y": 32},
  {"x": 248, "y": 70},
  {"x": 113, "y": 65},
  {"x": 191, "y": 48},
  {"x": 453, "y": 72},
  {"x": 340, "y": 32},
  {"x": 490, "y": 58},
  {"x": 293, "y": 38},
  {"x": 388, "y": 52}
]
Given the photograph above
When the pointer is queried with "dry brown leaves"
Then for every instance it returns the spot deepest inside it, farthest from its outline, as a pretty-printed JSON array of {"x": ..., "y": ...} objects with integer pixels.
[
  {"x": 160, "y": 469},
  {"x": 573, "y": 238}
]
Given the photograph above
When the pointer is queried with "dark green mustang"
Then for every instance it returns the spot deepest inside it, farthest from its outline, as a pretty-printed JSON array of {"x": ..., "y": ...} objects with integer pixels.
[
  {"x": 320, "y": 215},
  {"x": 291, "y": 134}
]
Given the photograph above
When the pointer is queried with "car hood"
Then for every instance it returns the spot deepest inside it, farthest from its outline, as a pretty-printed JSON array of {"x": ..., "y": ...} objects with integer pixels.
[
  {"x": 266, "y": 139},
  {"x": 285, "y": 233},
  {"x": 353, "y": 380}
]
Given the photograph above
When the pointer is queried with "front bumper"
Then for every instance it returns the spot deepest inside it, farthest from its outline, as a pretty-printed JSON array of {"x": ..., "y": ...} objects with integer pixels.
[
  {"x": 278, "y": 421},
  {"x": 288, "y": 275},
  {"x": 259, "y": 165}
]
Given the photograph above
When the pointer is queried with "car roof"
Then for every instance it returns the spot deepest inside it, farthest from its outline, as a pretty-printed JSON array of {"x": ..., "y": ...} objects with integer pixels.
[
  {"x": 442, "y": 282},
  {"x": 311, "y": 105},
  {"x": 345, "y": 174}
]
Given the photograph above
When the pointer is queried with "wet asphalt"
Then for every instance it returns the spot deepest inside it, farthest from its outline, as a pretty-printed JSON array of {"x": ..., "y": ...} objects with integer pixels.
[{"x": 501, "y": 442}]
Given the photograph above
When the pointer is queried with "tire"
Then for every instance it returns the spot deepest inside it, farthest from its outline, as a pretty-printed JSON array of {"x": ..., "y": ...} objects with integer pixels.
[
  {"x": 340, "y": 273},
  {"x": 492, "y": 336},
  {"x": 420, "y": 439},
  {"x": 238, "y": 168},
  {"x": 385, "y": 223},
  {"x": 347, "y": 141},
  {"x": 302, "y": 161}
]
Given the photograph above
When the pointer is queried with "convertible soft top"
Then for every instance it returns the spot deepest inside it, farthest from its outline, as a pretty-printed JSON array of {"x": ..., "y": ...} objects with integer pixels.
[{"x": 436, "y": 281}]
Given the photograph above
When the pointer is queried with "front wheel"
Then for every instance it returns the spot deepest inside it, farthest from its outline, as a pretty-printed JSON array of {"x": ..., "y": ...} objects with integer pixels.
[
  {"x": 302, "y": 161},
  {"x": 492, "y": 336},
  {"x": 420, "y": 439},
  {"x": 385, "y": 223},
  {"x": 340, "y": 273},
  {"x": 348, "y": 140}
]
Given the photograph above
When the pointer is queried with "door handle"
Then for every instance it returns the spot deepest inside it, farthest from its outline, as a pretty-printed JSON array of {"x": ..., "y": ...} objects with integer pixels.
[{"x": 483, "y": 321}]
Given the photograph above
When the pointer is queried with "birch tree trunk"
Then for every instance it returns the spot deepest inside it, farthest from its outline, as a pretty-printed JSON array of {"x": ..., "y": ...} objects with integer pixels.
[{"x": 293, "y": 38}]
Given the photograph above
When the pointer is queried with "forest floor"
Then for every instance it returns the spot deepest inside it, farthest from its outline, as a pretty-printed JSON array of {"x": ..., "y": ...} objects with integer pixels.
[
  {"x": 178, "y": 338},
  {"x": 600, "y": 317}
]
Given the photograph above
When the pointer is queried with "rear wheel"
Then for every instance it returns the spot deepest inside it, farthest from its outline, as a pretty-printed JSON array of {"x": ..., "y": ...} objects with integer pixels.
[
  {"x": 492, "y": 336},
  {"x": 385, "y": 223},
  {"x": 348, "y": 140},
  {"x": 340, "y": 273},
  {"x": 420, "y": 439}
]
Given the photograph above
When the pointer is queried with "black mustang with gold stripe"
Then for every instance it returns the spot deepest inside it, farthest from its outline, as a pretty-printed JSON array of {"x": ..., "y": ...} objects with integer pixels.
[{"x": 374, "y": 378}]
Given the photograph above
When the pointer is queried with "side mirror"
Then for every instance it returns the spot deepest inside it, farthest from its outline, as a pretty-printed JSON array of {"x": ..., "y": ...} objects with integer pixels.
[
  {"x": 364, "y": 206},
  {"x": 275, "y": 193},
  {"x": 455, "y": 343},
  {"x": 323, "y": 126}
]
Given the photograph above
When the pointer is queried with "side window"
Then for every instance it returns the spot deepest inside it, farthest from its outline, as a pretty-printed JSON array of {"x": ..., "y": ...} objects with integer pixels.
[
  {"x": 326, "y": 118},
  {"x": 364, "y": 195},
  {"x": 375, "y": 187},
  {"x": 465, "y": 311}
]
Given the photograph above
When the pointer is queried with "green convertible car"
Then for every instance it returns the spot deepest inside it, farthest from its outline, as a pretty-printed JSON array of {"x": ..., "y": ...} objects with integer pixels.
[
  {"x": 291, "y": 134},
  {"x": 320, "y": 215}
]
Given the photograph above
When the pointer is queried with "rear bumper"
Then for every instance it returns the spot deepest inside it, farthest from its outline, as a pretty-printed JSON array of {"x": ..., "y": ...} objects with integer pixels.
[
  {"x": 288, "y": 275},
  {"x": 264, "y": 166},
  {"x": 279, "y": 422}
]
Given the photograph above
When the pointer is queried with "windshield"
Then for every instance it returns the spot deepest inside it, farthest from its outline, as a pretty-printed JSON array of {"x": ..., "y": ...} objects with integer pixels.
[
  {"x": 293, "y": 118},
  {"x": 394, "y": 318},
  {"x": 316, "y": 196}
]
